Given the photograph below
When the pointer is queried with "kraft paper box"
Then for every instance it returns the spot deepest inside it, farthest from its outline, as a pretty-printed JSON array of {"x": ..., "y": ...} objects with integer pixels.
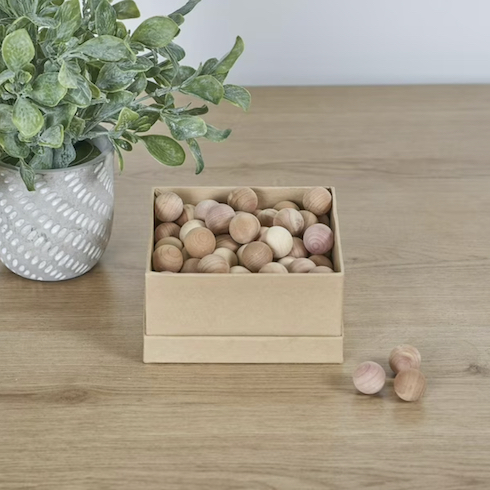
[{"x": 244, "y": 318}]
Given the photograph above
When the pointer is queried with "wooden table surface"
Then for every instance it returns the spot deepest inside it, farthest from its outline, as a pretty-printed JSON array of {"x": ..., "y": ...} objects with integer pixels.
[{"x": 79, "y": 409}]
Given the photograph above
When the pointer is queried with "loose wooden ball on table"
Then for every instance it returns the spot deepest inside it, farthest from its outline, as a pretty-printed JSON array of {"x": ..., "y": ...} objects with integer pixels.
[
  {"x": 317, "y": 200},
  {"x": 213, "y": 264},
  {"x": 318, "y": 239},
  {"x": 225, "y": 241},
  {"x": 165, "y": 230},
  {"x": 286, "y": 261},
  {"x": 244, "y": 228},
  {"x": 273, "y": 268},
  {"x": 239, "y": 254},
  {"x": 218, "y": 218},
  {"x": 291, "y": 220},
  {"x": 167, "y": 258},
  {"x": 279, "y": 240},
  {"x": 321, "y": 260},
  {"x": 170, "y": 240},
  {"x": 321, "y": 269},
  {"x": 243, "y": 199},
  {"x": 202, "y": 208},
  {"x": 266, "y": 217},
  {"x": 410, "y": 385},
  {"x": 187, "y": 214},
  {"x": 190, "y": 266},
  {"x": 168, "y": 206},
  {"x": 369, "y": 378},
  {"x": 405, "y": 357},
  {"x": 238, "y": 269},
  {"x": 190, "y": 225},
  {"x": 228, "y": 255},
  {"x": 285, "y": 205},
  {"x": 298, "y": 251},
  {"x": 309, "y": 219},
  {"x": 302, "y": 265},
  {"x": 200, "y": 242},
  {"x": 256, "y": 255}
]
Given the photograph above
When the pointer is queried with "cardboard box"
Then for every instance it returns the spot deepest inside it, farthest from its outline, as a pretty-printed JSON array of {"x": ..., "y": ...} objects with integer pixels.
[{"x": 245, "y": 318}]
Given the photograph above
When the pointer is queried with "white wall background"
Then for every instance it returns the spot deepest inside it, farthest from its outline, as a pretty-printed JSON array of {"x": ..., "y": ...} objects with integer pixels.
[{"x": 319, "y": 42}]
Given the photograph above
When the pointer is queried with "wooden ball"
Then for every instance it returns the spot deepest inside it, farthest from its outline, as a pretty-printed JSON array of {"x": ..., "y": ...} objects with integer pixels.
[
  {"x": 190, "y": 266},
  {"x": 213, "y": 264},
  {"x": 317, "y": 200},
  {"x": 200, "y": 242},
  {"x": 321, "y": 260},
  {"x": 202, "y": 208},
  {"x": 291, "y": 220},
  {"x": 309, "y": 219},
  {"x": 324, "y": 219},
  {"x": 318, "y": 239},
  {"x": 300, "y": 266},
  {"x": 244, "y": 228},
  {"x": 238, "y": 269},
  {"x": 187, "y": 227},
  {"x": 256, "y": 255},
  {"x": 219, "y": 217},
  {"x": 186, "y": 254},
  {"x": 285, "y": 205},
  {"x": 286, "y": 261},
  {"x": 168, "y": 206},
  {"x": 262, "y": 233},
  {"x": 410, "y": 385},
  {"x": 405, "y": 357},
  {"x": 369, "y": 378},
  {"x": 320, "y": 269},
  {"x": 228, "y": 255},
  {"x": 225, "y": 241},
  {"x": 170, "y": 240},
  {"x": 165, "y": 230},
  {"x": 266, "y": 217},
  {"x": 167, "y": 258},
  {"x": 279, "y": 240},
  {"x": 239, "y": 254},
  {"x": 243, "y": 199},
  {"x": 257, "y": 211},
  {"x": 187, "y": 214},
  {"x": 298, "y": 251},
  {"x": 273, "y": 268}
]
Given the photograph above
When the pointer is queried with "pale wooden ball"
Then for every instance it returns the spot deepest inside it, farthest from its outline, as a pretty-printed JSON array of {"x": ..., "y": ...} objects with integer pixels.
[
  {"x": 225, "y": 241},
  {"x": 167, "y": 258},
  {"x": 200, "y": 242},
  {"x": 318, "y": 239},
  {"x": 187, "y": 214},
  {"x": 202, "y": 208},
  {"x": 300, "y": 266},
  {"x": 273, "y": 268},
  {"x": 243, "y": 199},
  {"x": 286, "y": 261},
  {"x": 219, "y": 217},
  {"x": 168, "y": 206},
  {"x": 244, "y": 228},
  {"x": 286, "y": 205},
  {"x": 309, "y": 218},
  {"x": 187, "y": 227},
  {"x": 266, "y": 216},
  {"x": 228, "y": 255},
  {"x": 290, "y": 219},
  {"x": 165, "y": 230},
  {"x": 279, "y": 240},
  {"x": 170, "y": 240},
  {"x": 410, "y": 385},
  {"x": 257, "y": 212},
  {"x": 317, "y": 200},
  {"x": 321, "y": 260},
  {"x": 404, "y": 357},
  {"x": 324, "y": 219},
  {"x": 213, "y": 264},
  {"x": 321, "y": 269},
  {"x": 369, "y": 378},
  {"x": 298, "y": 251},
  {"x": 190, "y": 266},
  {"x": 256, "y": 255},
  {"x": 262, "y": 233},
  {"x": 186, "y": 254},
  {"x": 238, "y": 269}
]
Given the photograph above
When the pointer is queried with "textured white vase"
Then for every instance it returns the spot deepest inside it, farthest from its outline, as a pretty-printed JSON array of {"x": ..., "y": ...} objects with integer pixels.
[{"x": 61, "y": 230}]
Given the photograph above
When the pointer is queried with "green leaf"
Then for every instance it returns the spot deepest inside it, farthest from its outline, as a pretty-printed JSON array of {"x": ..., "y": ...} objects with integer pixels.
[
  {"x": 43, "y": 21},
  {"x": 226, "y": 63},
  {"x": 127, "y": 9},
  {"x": 141, "y": 64},
  {"x": 17, "y": 50},
  {"x": 120, "y": 158},
  {"x": 217, "y": 135},
  {"x": 116, "y": 102},
  {"x": 106, "y": 48},
  {"x": 68, "y": 76},
  {"x": 139, "y": 84},
  {"x": 177, "y": 18},
  {"x": 126, "y": 117},
  {"x": 5, "y": 76},
  {"x": 209, "y": 66},
  {"x": 121, "y": 30},
  {"x": 196, "y": 153},
  {"x": 205, "y": 87},
  {"x": 156, "y": 32},
  {"x": 188, "y": 7},
  {"x": 105, "y": 19},
  {"x": 238, "y": 96},
  {"x": 69, "y": 18},
  {"x": 47, "y": 90},
  {"x": 173, "y": 51},
  {"x": 53, "y": 137},
  {"x": 186, "y": 127},
  {"x": 62, "y": 114},
  {"x": 23, "y": 77},
  {"x": 196, "y": 111},
  {"x": 13, "y": 146},
  {"x": 28, "y": 176},
  {"x": 112, "y": 79},
  {"x": 6, "y": 122},
  {"x": 64, "y": 156},
  {"x": 42, "y": 160},
  {"x": 27, "y": 118},
  {"x": 76, "y": 128},
  {"x": 85, "y": 151},
  {"x": 125, "y": 145},
  {"x": 82, "y": 95},
  {"x": 164, "y": 149}
]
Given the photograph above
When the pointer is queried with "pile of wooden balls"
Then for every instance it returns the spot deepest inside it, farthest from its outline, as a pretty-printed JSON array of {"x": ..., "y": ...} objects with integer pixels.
[
  {"x": 239, "y": 238},
  {"x": 405, "y": 360}
]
